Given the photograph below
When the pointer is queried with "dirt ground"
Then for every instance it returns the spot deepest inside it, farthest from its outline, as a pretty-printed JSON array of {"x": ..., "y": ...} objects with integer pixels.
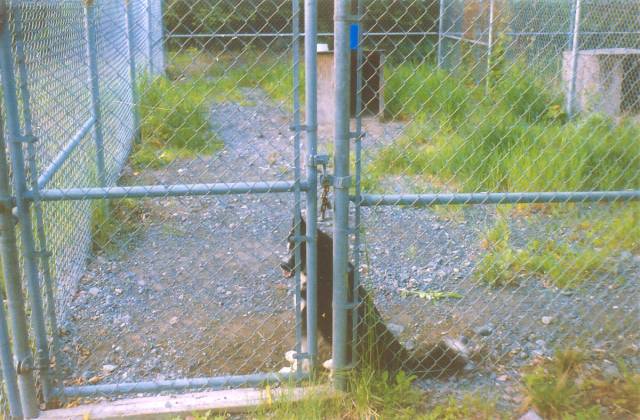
[{"x": 198, "y": 292}]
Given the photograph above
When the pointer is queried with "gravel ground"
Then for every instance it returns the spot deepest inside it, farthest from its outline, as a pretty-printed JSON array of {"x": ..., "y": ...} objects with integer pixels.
[{"x": 199, "y": 291}]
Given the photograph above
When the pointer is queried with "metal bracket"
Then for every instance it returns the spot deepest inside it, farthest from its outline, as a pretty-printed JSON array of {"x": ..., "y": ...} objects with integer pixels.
[
  {"x": 316, "y": 160},
  {"x": 342, "y": 182},
  {"x": 354, "y": 135},
  {"x": 25, "y": 366},
  {"x": 300, "y": 238},
  {"x": 301, "y": 356},
  {"x": 25, "y": 139}
]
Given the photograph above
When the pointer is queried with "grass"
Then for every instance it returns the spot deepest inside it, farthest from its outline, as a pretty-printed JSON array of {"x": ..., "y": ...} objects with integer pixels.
[
  {"x": 174, "y": 122},
  {"x": 114, "y": 224},
  {"x": 565, "y": 388},
  {"x": 594, "y": 239},
  {"x": 511, "y": 137}
]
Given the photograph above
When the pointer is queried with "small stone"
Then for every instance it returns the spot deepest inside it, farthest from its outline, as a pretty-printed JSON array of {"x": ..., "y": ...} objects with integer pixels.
[
  {"x": 173, "y": 321},
  {"x": 541, "y": 343},
  {"x": 395, "y": 329},
  {"x": 118, "y": 292},
  {"x": 502, "y": 378},
  {"x": 546, "y": 320},
  {"x": 94, "y": 291},
  {"x": 610, "y": 372},
  {"x": 109, "y": 368},
  {"x": 410, "y": 345},
  {"x": 531, "y": 415},
  {"x": 484, "y": 330}
]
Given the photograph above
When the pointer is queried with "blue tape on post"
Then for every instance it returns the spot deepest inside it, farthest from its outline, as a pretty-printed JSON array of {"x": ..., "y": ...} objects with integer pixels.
[{"x": 353, "y": 38}]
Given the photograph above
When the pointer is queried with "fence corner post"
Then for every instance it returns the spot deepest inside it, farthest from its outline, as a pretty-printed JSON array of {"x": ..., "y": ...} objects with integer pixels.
[{"x": 131, "y": 41}]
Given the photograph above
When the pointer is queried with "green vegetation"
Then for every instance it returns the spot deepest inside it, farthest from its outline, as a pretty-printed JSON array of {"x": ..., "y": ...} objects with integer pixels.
[
  {"x": 595, "y": 237},
  {"x": 511, "y": 137},
  {"x": 174, "y": 122},
  {"x": 565, "y": 388},
  {"x": 114, "y": 223}
]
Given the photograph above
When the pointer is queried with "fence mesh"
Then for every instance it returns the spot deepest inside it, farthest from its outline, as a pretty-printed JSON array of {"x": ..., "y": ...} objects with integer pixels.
[
  {"x": 459, "y": 96},
  {"x": 483, "y": 106}
]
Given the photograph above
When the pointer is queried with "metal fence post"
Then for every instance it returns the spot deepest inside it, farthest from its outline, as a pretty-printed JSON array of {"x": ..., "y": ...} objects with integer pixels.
[
  {"x": 441, "y": 34},
  {"x": 92, "y": 55},
  {"x": 150, "y": 36},
  {"x": 9, "y": 373},
  {"x": 311, "y": 117},
  {"x": 490, "y": 43},
  {"x": 8, "y": 247},
  {"x": 131, "y": 41},
  {"x": 16, "y": 141},
  {"x": 358, "y": 177},
  {"x": 571, "y": 97},
  {"x": 28, "y": 405},
  {"x": 37, "y": 204},
  {"x": 342, "y": 182}
]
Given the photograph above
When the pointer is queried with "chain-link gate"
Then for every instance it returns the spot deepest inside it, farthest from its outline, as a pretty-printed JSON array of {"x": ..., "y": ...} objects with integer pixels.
[
  {"x": 156, "y": 145},
  {"x": 494, "y": 200},
  {"x": 153, "y": 161}
]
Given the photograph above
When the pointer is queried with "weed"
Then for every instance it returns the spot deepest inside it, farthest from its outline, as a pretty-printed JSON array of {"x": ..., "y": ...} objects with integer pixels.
[
  {"x": 564, "y": 388},
  {"x": 114, "y": 223},
  {"x": 174, "y": 122},
  {"x": 597, "y": 236},
  {"x": 470, "y": 408}
]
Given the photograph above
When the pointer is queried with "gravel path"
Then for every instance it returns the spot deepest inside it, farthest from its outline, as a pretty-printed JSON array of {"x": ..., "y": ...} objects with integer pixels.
[{"x": 199, "y": 292}]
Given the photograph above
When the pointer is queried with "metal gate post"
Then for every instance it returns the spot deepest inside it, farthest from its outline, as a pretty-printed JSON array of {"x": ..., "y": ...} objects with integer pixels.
[
  {"x": 16, "y": 141},
  {"x": 311, "y": 117},
  {"x": 150, "y": 38},
  {"x": 341, "y": 184},
  {"x": 295, "y": 12},
  {"x": 92, "y": 56},
  {"x": 131, "y": 42}
]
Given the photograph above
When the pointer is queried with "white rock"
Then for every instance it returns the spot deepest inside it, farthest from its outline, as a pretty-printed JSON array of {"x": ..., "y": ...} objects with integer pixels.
[
  {"x": 94, "y": 291},
  {"x": 109, "y": 368},
  {"x": 531, "y": 415},
  {"x": 546, "y": 320},
  {"x": 395, "y": 329}
]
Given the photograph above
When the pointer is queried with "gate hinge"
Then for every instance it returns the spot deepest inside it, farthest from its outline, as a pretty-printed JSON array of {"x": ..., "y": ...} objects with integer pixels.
[
  {"x": 316, "y": 160},
  {"x": 341, "y": 182},
  {"x": 357, "y": 136}
]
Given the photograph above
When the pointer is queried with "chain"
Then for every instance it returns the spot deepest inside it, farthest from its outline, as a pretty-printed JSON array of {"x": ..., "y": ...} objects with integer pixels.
[{"x": 325, "y": 202}]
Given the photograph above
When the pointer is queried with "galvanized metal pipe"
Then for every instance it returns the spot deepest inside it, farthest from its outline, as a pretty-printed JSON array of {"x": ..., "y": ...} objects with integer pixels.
[
  {"x": 341, "y": 185},
  {"x": 177, "y": 190},
  {"x": 33, "y": 169},
  {"x": 441, "y": 34},
  {"x": 358, "y": 178},
  {"x": 131, "y": 42},
  {"x": 150, "y": 37},
  {"x": 64, "y": 154},
  {"x": 295, "y": 51},
  {"x": 490, "y": 44},
  {"x": 19, "y": 180},
  {"x": 7, "y": 240},
  {"x": 376, "y": 200},
  {"x": 8, "y": 247},
  {"x": 571, "y": 98},
  {"x": 96, "y": 111},
  {"x": 219, "y": 382},
  {"x": 311, "y": 118}
]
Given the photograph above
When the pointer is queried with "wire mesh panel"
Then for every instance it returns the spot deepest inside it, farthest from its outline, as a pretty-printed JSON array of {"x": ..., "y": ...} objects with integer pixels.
[
  {"x": 482, "y": 107},
  {"x": 156, "y": 127}
]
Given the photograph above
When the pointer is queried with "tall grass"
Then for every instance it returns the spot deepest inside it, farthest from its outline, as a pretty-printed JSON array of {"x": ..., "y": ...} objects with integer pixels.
[
  {"x": 511, "y": 137},
  {"x": 174, "y": 123}
]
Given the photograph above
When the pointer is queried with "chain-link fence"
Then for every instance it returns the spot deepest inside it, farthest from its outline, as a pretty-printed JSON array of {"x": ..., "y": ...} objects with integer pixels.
[{"x": 495, "y": 163}]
